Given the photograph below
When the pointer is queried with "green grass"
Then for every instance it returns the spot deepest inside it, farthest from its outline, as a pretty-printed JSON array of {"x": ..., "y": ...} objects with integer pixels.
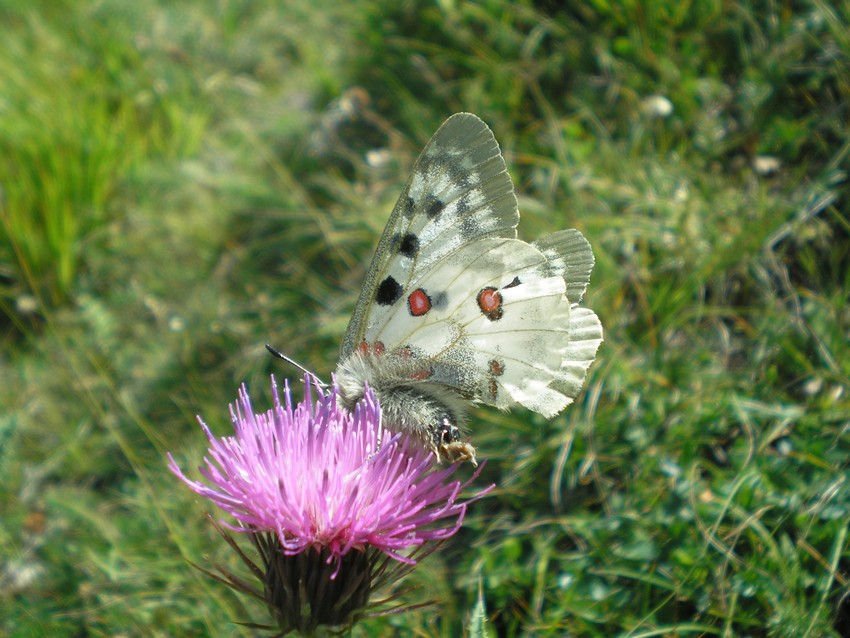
[{"x": 173, "y": 195}]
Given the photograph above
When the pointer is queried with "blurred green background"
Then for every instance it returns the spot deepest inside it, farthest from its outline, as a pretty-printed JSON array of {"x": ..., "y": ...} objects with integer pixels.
[{"x": 181, "y": 183}]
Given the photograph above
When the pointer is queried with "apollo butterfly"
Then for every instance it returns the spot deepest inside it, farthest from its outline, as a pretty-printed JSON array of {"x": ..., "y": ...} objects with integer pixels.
[{"x": 456, "y": 310}]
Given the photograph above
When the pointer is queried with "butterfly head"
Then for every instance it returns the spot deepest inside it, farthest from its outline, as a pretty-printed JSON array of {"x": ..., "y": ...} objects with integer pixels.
[{"x": 447, "y": 444}]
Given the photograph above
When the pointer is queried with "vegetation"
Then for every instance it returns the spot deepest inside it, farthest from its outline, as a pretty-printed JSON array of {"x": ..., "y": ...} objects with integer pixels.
[{"x": 181, "y": 183}]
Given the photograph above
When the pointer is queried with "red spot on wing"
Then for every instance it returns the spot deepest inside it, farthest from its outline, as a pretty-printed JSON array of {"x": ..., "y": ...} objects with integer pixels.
[
  {"x": 365, "y": 348},
  {"x": 490, "y": 303},
  {"x": 407, "y": 354},
  {"x": 497, "y": 368},
  {"x": 418, "y": 302},
  {"x": 493, "y": 388},
  {"x": 423, "y": 374}
]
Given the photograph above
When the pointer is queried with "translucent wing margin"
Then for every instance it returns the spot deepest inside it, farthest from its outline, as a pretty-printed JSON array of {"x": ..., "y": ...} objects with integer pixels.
[{"x": 568, "y": 255}]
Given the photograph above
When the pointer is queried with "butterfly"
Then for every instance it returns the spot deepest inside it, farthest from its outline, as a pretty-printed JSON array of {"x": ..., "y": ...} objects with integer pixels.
[{"x": 455, "y": 310}]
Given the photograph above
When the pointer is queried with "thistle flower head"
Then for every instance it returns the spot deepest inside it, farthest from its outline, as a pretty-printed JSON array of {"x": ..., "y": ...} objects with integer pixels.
[{"x": 324, "y": 493}]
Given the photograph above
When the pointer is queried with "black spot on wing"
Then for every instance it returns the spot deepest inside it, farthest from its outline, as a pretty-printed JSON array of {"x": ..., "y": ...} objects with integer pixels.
[
  {"x": 440, "y": 300},
  {"x": 389, "y": 291},
  {"x": 409, "y": 246},
  {"x": 462, "y": 206},
  {"x": 433, "y": 208},
  {"x": 516, "y": 282},
  {"x": 469, "y": 227}
]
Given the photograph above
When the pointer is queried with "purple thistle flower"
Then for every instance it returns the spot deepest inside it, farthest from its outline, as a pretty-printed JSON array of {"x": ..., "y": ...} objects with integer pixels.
[{"x": 326, "y": 493}]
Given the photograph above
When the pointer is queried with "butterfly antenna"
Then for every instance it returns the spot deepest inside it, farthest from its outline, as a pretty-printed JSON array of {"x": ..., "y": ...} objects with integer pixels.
[{"x": 312, "y": 375}]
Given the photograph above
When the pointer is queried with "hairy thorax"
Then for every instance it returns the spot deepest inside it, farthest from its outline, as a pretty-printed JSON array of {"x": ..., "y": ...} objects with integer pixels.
[{"x": 433, "y": 413}]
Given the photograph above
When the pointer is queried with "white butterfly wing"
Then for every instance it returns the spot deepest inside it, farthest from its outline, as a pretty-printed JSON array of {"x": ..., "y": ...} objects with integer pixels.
[{"x": 459, "y": 190}]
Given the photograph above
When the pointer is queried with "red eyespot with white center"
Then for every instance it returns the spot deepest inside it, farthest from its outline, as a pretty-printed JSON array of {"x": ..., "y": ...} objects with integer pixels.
[
  {"x": 490, "y": 303},
  {"x": 418, "y": 302}
]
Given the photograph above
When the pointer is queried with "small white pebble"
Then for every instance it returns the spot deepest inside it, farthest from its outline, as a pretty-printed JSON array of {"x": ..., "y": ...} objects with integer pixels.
[
  {"x": 766, "y": 164},
  {"x": 378, "y": 158},
  {"x": 657, "y": 106},
  {"x": 812, "y": 386},
  {"x": 26, "y": 304}
]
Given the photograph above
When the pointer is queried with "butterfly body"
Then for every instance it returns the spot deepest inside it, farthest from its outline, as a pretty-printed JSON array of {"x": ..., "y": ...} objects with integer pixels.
[
  {"x": 409, "y": 402},
  {"x": 456, "y": 310}
]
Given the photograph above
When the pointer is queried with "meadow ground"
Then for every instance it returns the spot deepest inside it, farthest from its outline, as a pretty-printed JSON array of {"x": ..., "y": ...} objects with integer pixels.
[{"x": 181, "y": 183}]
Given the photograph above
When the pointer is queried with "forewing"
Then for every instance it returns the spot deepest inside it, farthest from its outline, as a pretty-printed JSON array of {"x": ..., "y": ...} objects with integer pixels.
[{"x": 459, "y": 191}]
